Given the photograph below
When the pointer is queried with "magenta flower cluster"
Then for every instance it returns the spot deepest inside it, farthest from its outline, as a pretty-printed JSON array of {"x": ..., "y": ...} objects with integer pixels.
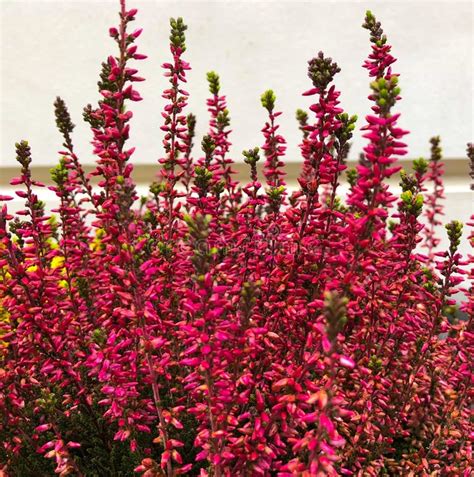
[{"x": 219, "y": 329}]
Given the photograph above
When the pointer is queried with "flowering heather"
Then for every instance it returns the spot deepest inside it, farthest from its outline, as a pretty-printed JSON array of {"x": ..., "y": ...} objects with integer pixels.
[{"x": 221, "y": 329}]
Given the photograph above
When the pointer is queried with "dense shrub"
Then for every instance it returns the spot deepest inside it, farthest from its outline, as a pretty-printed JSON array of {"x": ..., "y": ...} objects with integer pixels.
[{"x": 226, "y": 329}]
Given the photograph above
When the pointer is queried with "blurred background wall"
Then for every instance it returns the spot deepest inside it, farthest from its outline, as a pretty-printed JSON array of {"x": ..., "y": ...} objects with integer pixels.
[{"x": 54, "y": 48}]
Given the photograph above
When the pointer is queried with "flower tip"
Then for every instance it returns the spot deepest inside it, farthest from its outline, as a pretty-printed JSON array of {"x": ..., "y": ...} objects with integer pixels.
[{"x": 347, "y": 362}]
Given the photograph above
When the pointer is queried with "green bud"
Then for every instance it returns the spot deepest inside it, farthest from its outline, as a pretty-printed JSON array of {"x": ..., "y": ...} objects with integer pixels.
[
  {"x": 219, "y": 187},
  {"x": 164, "y": 249},
  {"x": 191, "y": 123},
  {"x": 148, "y": 216},
  {"x": 251, "y": 156},
  {"x": 436, "y": 151},
  {"x": 208, "y": 145},
  {"x": 223, "y": 119},
  {"x": 156, "y": 188},
  {"x": 177, "y": 36},
  {"x": 268, "y": 99},
  {"x": 98, "y": 336},
  {"x": 203, "y": 177},
  {"x": 59, "y": 173},
  {"x": 374, "y": 85},
  {"x": 391, "y": 225},
  {"x": 301, "y": 116},
  {"x": 454, "y": 229},
  {"x": 275, "y": 192},
  {"x": 214, "y": 84},
  {"x": 419, "y": 201},
  {"x": 188, "y": 219},
  {"x": 407, "y": 197},
  {"x": 321, "y": 71},
  {"x": 375, "y": 364}
]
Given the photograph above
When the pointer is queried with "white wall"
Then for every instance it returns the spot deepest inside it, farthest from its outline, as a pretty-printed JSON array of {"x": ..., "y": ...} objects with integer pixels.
[{"x": 51, "y": 48}]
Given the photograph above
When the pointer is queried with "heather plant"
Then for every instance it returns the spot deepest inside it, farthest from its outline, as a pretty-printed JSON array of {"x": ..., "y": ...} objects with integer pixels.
[{"x": 222, "y": 329}]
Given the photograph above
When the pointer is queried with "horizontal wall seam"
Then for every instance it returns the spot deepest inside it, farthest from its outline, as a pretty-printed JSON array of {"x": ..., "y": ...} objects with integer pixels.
[{"x": 455, "y": 169}]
